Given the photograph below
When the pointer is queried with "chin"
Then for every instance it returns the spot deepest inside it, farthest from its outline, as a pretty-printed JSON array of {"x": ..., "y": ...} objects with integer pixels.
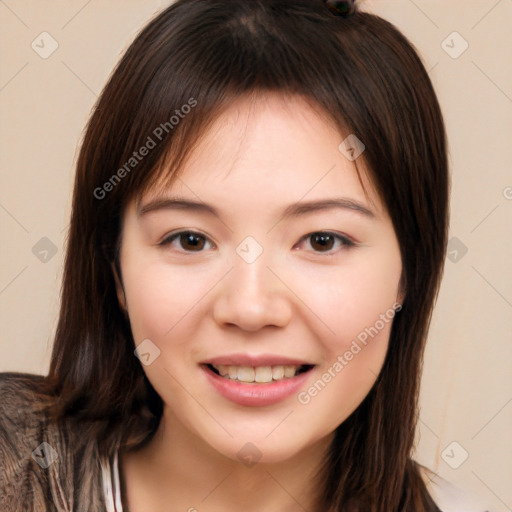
[{"x": 262, "y": 448}]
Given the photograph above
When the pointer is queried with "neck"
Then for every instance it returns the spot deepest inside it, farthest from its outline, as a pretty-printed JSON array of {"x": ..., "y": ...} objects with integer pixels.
[{"x": 178, "y": 471}]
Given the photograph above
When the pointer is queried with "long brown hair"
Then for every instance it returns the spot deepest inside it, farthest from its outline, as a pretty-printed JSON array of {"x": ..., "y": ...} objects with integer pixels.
[{"x": 364, "y": 75}]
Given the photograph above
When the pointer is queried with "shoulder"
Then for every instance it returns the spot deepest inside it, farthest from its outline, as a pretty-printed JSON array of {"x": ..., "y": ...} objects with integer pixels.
[
  {"x": 21, "y": 433},
  {"x": 21, "y": 407},
  {"x": 20, "y": 404},
  {"x": 450, "y": 498},
  {"x": 16, "y": 388},
  {"x": 45, "y": 464}
]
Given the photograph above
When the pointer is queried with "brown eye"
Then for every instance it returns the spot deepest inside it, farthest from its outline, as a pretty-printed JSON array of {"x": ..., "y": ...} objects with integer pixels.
[
  {"x": 322, "y": 242},
  {"x": 325, "y": 242},
  {"x": 187, "y": 241},
  {"x": 192, "y": 242}
]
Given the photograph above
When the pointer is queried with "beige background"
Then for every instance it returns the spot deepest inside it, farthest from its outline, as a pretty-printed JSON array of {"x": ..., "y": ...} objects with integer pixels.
[{"x": 467, "y": 382}]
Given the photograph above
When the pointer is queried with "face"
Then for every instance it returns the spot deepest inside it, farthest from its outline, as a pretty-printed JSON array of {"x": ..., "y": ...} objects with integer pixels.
[{"x": 262, "y": 284}]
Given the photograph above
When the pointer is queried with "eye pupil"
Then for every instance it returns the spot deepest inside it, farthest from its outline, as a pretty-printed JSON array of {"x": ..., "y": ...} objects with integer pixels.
[
  {"x": 322, "y": 241},
  {"x": 190, "y": 241}
]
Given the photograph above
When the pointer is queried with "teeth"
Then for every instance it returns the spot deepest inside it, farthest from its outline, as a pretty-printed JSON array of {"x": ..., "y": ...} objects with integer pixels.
[
  {"x": 260, "y": 374},
  {"x": 277, "y": 372},
  {"x": 289, "y": 371},
  {"x": 223, "y": 370},
  {"x": 245, "y": 374},
  {"x": 263, "y": 374}
]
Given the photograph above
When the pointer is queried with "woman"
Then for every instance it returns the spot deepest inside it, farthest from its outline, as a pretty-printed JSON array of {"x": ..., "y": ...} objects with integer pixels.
[{"x": 257, "y": 238}]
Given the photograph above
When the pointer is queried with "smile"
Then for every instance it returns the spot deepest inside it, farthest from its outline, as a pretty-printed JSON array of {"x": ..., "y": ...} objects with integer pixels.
[
  {"x": 256, "y": 381},
  {"x": 259, "y": 374}
]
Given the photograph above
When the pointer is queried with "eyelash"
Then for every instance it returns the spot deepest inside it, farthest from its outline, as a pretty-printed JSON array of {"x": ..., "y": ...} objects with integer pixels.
[
  {"x": 175, "y": 236},
  {"x": 344, "y": 242}
]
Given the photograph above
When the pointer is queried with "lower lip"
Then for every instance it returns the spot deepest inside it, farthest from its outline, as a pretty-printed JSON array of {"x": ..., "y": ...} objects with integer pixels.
[{"x": 256, "y": 395}]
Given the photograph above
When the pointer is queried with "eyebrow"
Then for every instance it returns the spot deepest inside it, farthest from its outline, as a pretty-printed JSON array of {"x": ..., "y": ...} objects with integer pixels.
[
  {"x": 302, "y": 208},
  {"x": 176, "y": 204},
  {"x": 293, "y": 210}
]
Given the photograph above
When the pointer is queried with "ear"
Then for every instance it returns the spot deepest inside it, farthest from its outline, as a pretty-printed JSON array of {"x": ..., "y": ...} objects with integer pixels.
[{"x": 121, "y": 296}]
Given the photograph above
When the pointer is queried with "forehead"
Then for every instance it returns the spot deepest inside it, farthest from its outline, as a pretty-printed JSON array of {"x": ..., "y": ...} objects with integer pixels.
[{"x": 272, "y": 148}]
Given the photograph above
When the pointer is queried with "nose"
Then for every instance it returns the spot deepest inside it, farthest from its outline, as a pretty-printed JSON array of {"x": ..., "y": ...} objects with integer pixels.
[{"x": 252, "y": 297}]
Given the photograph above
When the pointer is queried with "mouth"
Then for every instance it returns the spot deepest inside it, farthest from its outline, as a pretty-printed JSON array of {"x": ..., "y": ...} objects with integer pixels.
[
  {"x": 257, "y": 381},
  {"x": 258, "y": 374}
]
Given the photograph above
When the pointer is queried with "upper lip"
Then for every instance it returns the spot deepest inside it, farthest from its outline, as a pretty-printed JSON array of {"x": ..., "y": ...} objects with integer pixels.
[{"x": 255, "y": 360}]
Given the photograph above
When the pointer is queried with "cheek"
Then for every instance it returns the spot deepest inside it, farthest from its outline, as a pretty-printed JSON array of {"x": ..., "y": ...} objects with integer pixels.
[
  {"x": 159, "y": 297},
  {"x": 353, "y": 300},
  {"x": 355, "y": 305}
]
